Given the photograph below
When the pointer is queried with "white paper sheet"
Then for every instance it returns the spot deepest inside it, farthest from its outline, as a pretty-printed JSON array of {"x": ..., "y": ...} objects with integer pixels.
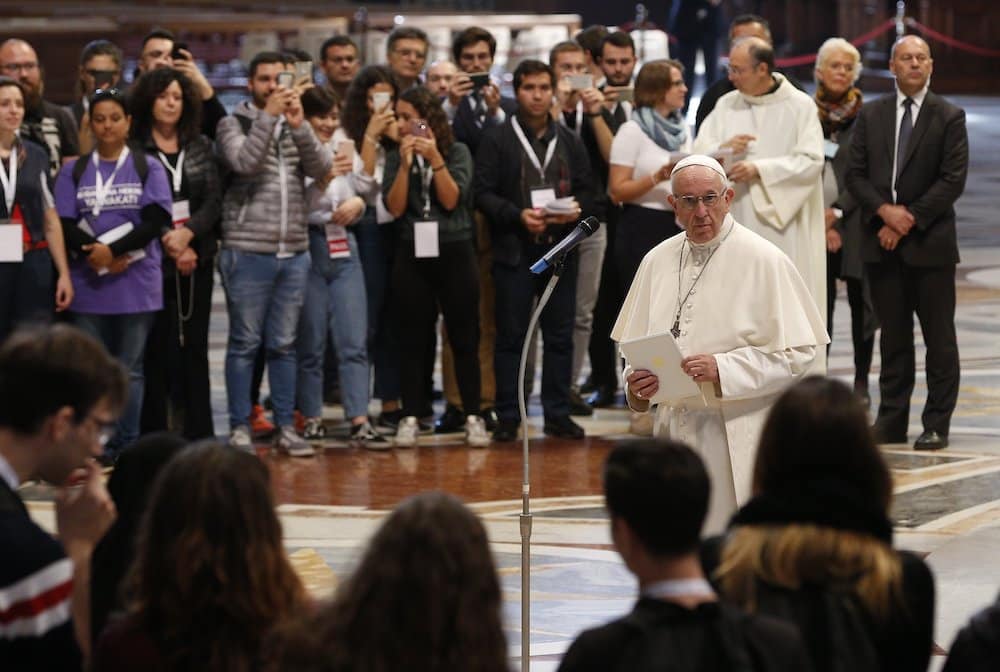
[{"x": 661, "y": 355}]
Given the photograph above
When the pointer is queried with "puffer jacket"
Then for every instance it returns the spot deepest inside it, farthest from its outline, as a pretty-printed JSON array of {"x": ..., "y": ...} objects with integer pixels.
[{"x": 264, "y": 206}]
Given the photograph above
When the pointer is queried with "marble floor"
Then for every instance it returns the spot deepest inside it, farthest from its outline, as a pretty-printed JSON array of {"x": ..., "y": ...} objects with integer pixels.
[{"x": 947, "y": 504}]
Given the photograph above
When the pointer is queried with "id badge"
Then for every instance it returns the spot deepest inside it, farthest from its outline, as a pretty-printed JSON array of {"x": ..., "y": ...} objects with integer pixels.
[
  {"x": 425, "y": 240},
  {"x": 11, "y": 242},
  {"x": 181, "y": 213},
  {"x": 336, "y": 242},
  {"x": 542, "y": 196},
  {"x": 830, "y": 149}
]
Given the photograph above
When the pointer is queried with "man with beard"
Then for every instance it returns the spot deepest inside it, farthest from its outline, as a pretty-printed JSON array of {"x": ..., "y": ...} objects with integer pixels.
[{"x": 46, "y": 123}]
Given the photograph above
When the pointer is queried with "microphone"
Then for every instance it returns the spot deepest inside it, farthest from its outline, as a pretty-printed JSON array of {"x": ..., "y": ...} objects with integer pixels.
[{"x": 584, "y": 229}]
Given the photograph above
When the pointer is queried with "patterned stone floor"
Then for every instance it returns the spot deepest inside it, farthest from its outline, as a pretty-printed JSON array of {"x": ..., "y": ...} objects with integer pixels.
[{"x": 947, "y": 505}]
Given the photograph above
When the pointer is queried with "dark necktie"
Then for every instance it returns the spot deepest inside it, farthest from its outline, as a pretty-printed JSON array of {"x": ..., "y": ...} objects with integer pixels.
[
  {"x": 619, "y": 116},
  {"x": 905, "y": 130}
]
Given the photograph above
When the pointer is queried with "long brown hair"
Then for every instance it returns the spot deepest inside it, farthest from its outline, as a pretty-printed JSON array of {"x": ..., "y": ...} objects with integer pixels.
[
  {"x": 211, "y": 577},
  {"x": 817, "y": 432},
  {"x": 425, "y": 598}
]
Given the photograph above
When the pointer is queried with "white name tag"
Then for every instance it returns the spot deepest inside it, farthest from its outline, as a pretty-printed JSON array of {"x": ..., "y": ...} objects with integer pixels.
[
  {"x": 181, "y": 213},
  {"x": 11, "y": 243},
  {"x": 542, "y": 196},
  {"x": 830, "y": 148},
  {"x": 425, "y": 240}
]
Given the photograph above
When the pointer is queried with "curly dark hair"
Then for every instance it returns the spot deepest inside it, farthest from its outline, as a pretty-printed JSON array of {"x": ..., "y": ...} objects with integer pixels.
[
  {"x": 428, "y": 106},
  {"x": 211, "y": 577},
  {"x": 148, "y": 88},
  {"x": 424, "y": 597},
  {"x": 354, "y": 115}
]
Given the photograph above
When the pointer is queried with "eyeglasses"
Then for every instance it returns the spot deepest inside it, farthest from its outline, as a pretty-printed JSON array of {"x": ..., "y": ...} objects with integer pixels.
[
  {"x": 691, "y": 202},
  {"x": 411, "y": 53},
  {"x": 22, "y": 67},
  {"x": 105, "y": 428}
]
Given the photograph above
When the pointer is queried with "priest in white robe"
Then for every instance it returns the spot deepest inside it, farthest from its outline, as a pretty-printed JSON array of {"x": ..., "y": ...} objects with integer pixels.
[
  {"x": 742, "y": 317},
  {"x": 777, "y": 141}
]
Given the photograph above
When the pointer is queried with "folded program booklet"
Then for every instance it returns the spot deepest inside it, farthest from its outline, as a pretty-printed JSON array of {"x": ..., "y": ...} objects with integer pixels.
[
  {"x": 117, "y": 233},
  {"x": 661, "y": 355}
]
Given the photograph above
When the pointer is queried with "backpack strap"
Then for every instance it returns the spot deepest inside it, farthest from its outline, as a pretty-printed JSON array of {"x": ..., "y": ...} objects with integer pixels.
[
  {"x": 80, "y": 166},
  {"x": 139, "y": 160}
]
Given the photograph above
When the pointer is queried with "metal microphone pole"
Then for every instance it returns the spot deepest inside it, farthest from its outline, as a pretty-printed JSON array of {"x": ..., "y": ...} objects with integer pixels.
[{"x": 525, "y": 517}]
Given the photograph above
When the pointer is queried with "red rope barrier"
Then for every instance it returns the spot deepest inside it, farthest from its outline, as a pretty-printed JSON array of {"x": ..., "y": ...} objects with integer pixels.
[
  {"x": 806, "y": 59},
  {"x": 950, "y": 41}
]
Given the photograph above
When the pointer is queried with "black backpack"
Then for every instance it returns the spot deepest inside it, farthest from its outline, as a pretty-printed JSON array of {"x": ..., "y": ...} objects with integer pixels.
[
  {"x": 835, "y": 627},
  {"x": 139, "y": 160}
]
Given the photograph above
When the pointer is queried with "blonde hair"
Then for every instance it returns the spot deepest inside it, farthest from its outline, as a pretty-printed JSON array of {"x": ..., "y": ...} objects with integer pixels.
[
  {"x": 792, "y": 556},
  {"x": 840, "y": 44}
]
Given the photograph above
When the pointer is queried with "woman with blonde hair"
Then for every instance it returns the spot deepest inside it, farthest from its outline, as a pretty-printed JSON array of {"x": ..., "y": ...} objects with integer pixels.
[{"x": 814, "y": 544}]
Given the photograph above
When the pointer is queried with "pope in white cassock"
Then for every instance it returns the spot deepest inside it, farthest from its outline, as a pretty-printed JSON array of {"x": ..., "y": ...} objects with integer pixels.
[
  {"x": 743, "y": 319},
  {"x": 779, "y": 183}
]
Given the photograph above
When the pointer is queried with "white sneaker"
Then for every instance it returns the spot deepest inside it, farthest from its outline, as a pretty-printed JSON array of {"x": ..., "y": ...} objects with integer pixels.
[
  {"x": 239, "y": 439},
  {"x": 475, "y": 432},
  {"x": 406, "y": 433},
  {"x": 290, "y": 442}
]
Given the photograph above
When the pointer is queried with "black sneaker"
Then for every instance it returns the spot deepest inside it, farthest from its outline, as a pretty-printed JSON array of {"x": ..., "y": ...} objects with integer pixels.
[
  {"x": 365, "y": 436},
  {"x": 389, "y": 419},
  {"x": 577, "y": 406},
  {"x": 490, "y": 418},
  {"x": 506, "y": 430},
  {"x": 563, "y": 428},
  {"x": 452, "y": 420}
]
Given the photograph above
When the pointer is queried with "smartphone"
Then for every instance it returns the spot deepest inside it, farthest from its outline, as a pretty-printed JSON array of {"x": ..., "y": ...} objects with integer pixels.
[
  {"x": 626, "y": 95},
  {"x": 380, "y": 100},
  {"x": 176, "y": 52},
  {"x": 345, "y": 148},
  {"x": 303, "y": 72},
  {"x": 580, "y": 82},
  {"x": 480, "y": 79},
  {"x": 286, "y": 79},
  {"x": 419, "y": 128},
  {"x": 104, "y": 79}
]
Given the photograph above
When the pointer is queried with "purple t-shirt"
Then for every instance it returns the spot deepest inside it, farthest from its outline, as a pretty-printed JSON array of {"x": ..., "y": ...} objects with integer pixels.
[{"x": 140, "y": 288}]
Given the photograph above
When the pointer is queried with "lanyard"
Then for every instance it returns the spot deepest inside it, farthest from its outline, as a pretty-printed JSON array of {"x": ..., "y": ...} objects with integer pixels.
[
  {"x": 176, "y": 174},
  {"x": 540, "y": 167},
  {"x": 578, "y": 127},
  {"x": 426, "y": 177},
  {"x": 9, "y": 181},
  {"x": 679, "y": 588},
  {"x": 102, "y": 188}
]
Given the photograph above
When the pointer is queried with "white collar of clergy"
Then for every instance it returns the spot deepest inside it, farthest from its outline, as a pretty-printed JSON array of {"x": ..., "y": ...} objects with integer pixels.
[
  {"x": 699, "y": 250},
  {"x": 779, "y": 93}
]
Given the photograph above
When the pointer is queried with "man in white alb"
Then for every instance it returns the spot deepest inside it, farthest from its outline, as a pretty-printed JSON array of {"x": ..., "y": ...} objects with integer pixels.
[
  {"x": 775, "y": 134},
  {"x": 741, "y": 315}
]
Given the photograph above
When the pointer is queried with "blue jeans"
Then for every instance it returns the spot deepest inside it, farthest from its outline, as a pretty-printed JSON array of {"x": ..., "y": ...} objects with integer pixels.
[
  {"x": 264, "y": 295},
  {"x": 124, "y": 336},
  {"x": 336, "y": 303},
  {"x": 376, "y": 243}
]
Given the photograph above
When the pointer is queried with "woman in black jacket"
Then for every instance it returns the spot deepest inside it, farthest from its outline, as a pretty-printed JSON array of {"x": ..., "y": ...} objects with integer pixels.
[
  {"x": 814, "y": 543},
  {"x": 166, "y": 123}
]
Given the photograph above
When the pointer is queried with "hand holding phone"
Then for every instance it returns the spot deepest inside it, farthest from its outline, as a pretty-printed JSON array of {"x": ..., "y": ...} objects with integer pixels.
[
  {"x": 286, "y": 79},
  {"x": 303, "y": 72},
  {"x": 380, "y": 100},
  {"x": 419, "y": 128},
  {"x": 479, "y": 80},
  {"x": 581, "y": 82}
]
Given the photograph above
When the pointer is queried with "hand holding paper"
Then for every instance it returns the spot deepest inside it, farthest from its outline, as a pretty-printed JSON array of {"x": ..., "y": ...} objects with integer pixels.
[{"x": 661, "y": 356}]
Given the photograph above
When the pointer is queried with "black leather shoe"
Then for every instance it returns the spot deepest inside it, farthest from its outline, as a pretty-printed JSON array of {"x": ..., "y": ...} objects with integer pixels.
[
  {"x": 489, "y": 416},
  {"x": 588, "y": 385},
  {"x": 882, "y": 435},
  {"x": 602, "y": 397},
  {"x": 577, "y": 406},
  {"x": 563, "y": 428},
  {"x": 506, "y": 430},
  {"x": 930, "y": 440},
  {"x": 452, "y": 420}
]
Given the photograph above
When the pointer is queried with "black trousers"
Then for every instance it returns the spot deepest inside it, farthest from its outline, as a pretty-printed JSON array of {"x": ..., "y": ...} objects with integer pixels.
[
  {"x": 899, "y": 291},
  {"x": 178, "y": 394},
  {"x": 640, "y": 230},
  {"x": 603, "y": 362},
  {"x": 863, "y": 344},
  {"x": 419, "y": 287}
]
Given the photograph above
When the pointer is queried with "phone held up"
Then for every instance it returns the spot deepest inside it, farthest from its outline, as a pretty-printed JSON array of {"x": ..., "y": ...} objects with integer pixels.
[
  {"x": 419, "y": 128},
  {"x": 286, "y": 79},
  {"x": 479, "y": 80},
  {"x": 177, "y": 52}
]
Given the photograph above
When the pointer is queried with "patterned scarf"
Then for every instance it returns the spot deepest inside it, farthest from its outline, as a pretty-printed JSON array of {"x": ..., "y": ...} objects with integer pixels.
[
  {"x": 836, "y": 115},
  {"x": 668, "y": 132}
]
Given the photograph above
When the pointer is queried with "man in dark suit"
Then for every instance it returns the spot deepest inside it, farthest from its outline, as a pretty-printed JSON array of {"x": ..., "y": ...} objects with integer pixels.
[
  {"x": 678, "y": 617},
  {"x": 908, "y": 162}
]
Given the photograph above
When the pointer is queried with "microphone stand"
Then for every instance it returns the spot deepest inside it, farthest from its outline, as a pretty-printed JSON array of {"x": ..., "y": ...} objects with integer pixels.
[{"x": 558, "y": 265}]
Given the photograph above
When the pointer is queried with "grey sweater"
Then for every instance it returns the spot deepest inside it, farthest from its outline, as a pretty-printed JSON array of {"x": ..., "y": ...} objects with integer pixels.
[{"x": 263, "y": 209}]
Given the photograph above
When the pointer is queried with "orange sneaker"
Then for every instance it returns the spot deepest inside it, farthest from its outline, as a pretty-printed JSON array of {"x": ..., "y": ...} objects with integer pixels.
[{"x": 259, "y": 424}]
